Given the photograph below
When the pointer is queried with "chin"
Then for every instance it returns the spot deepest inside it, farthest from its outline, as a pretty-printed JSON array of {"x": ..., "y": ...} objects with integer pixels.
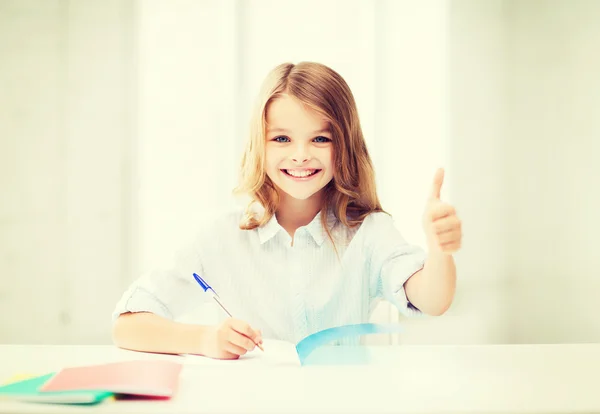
[
  {"x": 298, "y": 193},
  {"x": 300, "y": 196}
]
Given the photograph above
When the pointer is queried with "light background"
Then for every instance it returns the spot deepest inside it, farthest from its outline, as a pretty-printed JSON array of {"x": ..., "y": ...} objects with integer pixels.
[{"x": 122, "y": 124}]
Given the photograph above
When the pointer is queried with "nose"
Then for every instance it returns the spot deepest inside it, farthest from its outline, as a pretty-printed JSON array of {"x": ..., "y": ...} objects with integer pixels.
[
  {"x": 300, "y": 160},
  {"x": 300, "y": 154}
]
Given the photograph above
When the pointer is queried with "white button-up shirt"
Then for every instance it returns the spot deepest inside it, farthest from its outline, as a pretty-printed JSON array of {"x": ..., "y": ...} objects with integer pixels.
[{"x": 288, "y": 291}]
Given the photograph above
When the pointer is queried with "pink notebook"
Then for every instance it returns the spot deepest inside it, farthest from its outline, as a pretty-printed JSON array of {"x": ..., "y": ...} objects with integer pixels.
[{"x": 144, "y": 378}]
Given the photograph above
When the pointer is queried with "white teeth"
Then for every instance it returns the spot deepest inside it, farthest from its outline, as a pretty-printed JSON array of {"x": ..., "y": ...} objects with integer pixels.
[{"x": 301, "y": 174}]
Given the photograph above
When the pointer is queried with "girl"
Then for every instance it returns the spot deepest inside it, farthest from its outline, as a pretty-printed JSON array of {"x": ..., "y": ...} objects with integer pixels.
[{"x": 313, "y": 250}]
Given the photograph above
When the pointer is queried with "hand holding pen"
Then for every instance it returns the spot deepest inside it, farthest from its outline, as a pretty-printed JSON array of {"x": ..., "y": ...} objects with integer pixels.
[{"x": 233, "y": 337}]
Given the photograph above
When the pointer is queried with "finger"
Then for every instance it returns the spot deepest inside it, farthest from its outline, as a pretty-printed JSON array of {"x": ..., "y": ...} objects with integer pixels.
[
  {"x": 243, "y": 328},
  {"x": 228, "y": 355},
  {"x": 448, "y": 237},
  {"x": 436, "y": 187},
  {"x": 446, "y": 224},
  {"x": 455, "y": 243},
  {"x": 241, "y": 341},
  {"x": 259, "y": 338},
  {"x": 450, "y": 247},
  {"x": 234, "y": 349},
  {"x": 441, "y": 210}
]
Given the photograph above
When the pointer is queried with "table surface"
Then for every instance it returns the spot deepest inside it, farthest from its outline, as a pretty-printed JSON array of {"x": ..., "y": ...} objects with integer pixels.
[{"x": 561, "y": 378}]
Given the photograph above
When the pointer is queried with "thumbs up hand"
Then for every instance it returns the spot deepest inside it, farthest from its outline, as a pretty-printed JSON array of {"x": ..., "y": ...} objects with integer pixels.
[{"x": 442, "y": 226}]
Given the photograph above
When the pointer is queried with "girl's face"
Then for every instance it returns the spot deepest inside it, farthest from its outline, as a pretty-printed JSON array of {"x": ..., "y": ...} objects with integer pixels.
[{"x": 299, "y": 150}]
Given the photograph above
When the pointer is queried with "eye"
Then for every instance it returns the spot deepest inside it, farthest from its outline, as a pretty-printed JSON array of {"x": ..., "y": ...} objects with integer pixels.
[
  {"x": 321, "y": 140},
  {"x": 281, "y": 138}
]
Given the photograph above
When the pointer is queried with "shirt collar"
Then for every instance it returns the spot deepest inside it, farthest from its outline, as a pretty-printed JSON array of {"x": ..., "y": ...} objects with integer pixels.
[
  {"x": 267, "y": 231},
  {"x": 315, "y": 227}
]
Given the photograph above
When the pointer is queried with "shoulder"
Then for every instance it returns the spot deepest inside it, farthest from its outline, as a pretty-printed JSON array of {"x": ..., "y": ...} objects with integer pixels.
[
  {"x": 219, "y": 232},
  {"x": 379, "y": 230},
  {"x": 379, "y": 217},
  {"x": 376, "y": 222},
  {"x": 364, "y": 234},
  {"x": 222, "y": 224}
]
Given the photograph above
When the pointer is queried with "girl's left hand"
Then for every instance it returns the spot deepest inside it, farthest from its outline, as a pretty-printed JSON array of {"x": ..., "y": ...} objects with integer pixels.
[{"x": 440, "y": 222}]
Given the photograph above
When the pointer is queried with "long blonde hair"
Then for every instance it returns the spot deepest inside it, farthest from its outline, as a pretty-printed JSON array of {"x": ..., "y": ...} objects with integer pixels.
[{"x": 351, "y": 194}]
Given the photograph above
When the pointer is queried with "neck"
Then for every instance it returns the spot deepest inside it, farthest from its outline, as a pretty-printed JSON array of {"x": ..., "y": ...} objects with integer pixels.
[{"x": 293, "y": 213}]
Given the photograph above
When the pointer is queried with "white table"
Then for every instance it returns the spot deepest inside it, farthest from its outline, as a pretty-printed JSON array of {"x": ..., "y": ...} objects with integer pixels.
[{"x": 411, "y": 379}]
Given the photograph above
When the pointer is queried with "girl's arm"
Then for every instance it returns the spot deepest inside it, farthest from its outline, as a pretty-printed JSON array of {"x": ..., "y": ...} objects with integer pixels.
[
  {"x": 148, "y": 332},
  {"x": 432, "y": 289}
]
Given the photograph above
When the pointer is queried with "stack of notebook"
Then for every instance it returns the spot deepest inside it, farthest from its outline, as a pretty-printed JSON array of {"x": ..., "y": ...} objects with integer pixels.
[{"x": 94, "y": 383}]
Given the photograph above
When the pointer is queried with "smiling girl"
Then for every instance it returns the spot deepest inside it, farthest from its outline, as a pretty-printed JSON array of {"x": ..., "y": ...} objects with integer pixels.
[{"x": 313, "y": 250}]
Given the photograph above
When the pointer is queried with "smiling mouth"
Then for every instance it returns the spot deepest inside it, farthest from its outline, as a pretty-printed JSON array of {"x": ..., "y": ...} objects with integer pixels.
[{"x": 301, "y": 174}]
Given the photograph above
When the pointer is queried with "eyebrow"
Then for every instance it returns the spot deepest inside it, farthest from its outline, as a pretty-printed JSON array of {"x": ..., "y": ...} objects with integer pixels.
[{"x": 320, "y": 131}]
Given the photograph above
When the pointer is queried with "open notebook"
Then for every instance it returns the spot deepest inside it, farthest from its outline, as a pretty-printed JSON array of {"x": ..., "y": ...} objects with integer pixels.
[{"x": 312, "y": 349}]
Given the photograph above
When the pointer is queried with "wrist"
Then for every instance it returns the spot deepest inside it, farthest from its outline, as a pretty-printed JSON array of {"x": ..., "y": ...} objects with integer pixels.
[
  {"x": 192, "y": 339},
  {"x": 438, "y": 259},
  {"x": 436, "y": 254},
  {"x": 435, "y": 251}
]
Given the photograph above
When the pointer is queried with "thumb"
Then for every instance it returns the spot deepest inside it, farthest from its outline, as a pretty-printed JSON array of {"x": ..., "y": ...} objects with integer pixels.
[{"x": 436, "y": 187}]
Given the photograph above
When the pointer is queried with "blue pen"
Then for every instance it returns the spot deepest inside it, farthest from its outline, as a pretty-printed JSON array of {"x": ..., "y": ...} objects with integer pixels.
[
  {"x": 214, "y": 295},
  {"x": 210, "y": 290}
]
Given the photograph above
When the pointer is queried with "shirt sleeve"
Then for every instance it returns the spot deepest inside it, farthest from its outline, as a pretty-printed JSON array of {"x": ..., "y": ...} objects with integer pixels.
[
  {"x": 393, "y": 262},
  {"x": 166, "y": 292}
]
